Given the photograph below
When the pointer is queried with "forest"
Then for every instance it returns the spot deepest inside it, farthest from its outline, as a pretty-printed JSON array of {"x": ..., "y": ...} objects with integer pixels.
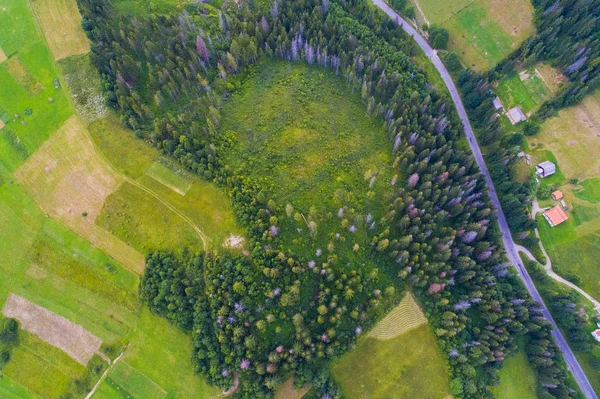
[{"x": 272, "y": 312}]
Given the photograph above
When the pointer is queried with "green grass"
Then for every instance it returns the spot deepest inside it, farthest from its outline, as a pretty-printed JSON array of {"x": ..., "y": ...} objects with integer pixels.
[
  {"x": 9, "y": 389},
  {"x": 126, "y": 153},
  {"x": 131, "y": 380},
  {"x": 584, "y": 214},
  {"x": 409, "y": 366},
  {"x": 546, "y": 155},
  {"x": 148, "y": 7},
  {"x": 162, "y": 353},
  {"x": 528, "y": 93},
  {"x": 486, "y": 35},
  {"x": 171, "y": 176},
  {"x": 591, "y": 190},
  {"x": 208, "y": 207},
  {"x": 40, "y": 367},
  {"x": 517, "y": 378},
  {"x": 144, "y": 222},
  {"x": 438, "y": 13},
  {"x": 300, "y": 131},
  {"x": 20, "y": 36}
]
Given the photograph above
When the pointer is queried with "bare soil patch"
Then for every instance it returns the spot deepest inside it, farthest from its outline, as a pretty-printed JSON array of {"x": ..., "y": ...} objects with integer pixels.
[
  {"x": 2, "y": 55},
  {"x": 61, "y": 22},
  {"x": 234, "y": 241},
  {"x": 2, "y": 124},
  {"x": 70, "y": 181},
  {"x": 59, "y": 332}
]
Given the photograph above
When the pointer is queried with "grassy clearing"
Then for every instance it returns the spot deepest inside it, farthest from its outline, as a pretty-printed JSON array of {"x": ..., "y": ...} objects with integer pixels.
[
  {"x": 9, "y": 389},
  {"x": 162, "y": 353},
  {"x": 144, "y": 222},
  {"x": 528, "y": 93},
  {"x": 288, "y": 391},
  {"x": 517, "y": 378},
  {"x": 574, "y": 137},
  {"x": 551, "y": 77},
  {"x": 205, "y": 205},
  {"x": 477, "y": 38},
  {"x": 131, "y": 380},
  {"x": 482, "y": 32},
  {"x": 408, "y": 366},
  {"x": 171, "y": 176},
  {"x": 515, "y": 17},
  {"x": 590, "y": 191},
  {"x": 438, "y": 12},
  {"x": 41, "y": 368},
  {"x": 404, "y": 317},
  {"x": 61, "y": 22},
  {"x": 305, "y": 134},
  {"x": 149, "y": 7}
]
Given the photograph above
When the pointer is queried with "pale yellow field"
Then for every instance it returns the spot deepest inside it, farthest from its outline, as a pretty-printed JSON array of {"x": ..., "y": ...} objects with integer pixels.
[
  {"x": 404, "y": 317},
  {"x": 2, "y": 55},
  {"x": 61, "y": 22},
  {"x": 573, "y": 136},
  {"x": 71, "y": 182},
  {"x": 515, "y": 17},
  {"x": 287, "y": 390},
  {"x": 551, "y": 77}
]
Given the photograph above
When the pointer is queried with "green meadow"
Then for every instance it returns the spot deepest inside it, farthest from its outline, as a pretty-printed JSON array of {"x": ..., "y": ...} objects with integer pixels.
[
  {"x": 527, "y": 94},
  {"x": 305, "y": 135},
  {"x": 408, "y": 366}
]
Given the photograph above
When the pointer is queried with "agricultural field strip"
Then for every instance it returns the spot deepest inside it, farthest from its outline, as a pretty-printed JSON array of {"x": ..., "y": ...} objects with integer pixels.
[
  {"x": 404, "y": 317},
  {"x": 201, "y": 234},
  {"x": 61, "y": 23},
  {"x": 59, "y": 332}
]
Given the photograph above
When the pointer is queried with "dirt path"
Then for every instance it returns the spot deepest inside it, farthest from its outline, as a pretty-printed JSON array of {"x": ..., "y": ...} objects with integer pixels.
[
  {"x": 89, "y": 395},
  {"x": 137, "y": 184},
  {"x": 548, "y": 266}
]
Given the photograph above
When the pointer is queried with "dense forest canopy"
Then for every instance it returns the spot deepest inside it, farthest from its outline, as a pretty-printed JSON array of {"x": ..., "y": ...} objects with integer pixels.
[{"x": 273, "y": 312}]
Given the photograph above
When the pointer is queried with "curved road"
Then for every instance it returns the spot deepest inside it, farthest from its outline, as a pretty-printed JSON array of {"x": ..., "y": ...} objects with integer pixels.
[{"x": 509, "y": 244}]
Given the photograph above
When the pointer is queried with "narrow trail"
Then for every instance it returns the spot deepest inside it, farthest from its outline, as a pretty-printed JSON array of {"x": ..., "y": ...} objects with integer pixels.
[
  {"x": 89, "y": 395},
  {"x": 548, "y": 266},
  {"x": 203, "y": 237}
]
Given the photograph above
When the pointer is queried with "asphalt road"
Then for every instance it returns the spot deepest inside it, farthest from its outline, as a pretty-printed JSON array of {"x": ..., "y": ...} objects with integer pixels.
[{"x": 509, "y": 244}]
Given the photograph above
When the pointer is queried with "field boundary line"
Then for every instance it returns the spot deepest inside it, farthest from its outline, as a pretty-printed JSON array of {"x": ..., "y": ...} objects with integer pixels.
[
  {"x": 139, "y": 185},
  {"x": 454, "y": 14},
  {"x": 89, "y": 395}
]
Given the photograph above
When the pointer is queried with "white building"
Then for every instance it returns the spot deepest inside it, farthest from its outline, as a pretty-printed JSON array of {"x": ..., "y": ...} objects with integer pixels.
[
  {"x": 545, "y": 169},
  {"x": 515, "y": 115}
]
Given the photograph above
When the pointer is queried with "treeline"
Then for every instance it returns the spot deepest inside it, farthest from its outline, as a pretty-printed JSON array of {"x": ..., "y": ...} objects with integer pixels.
[
  {"x": 568, "y": 37},
  {"x": 9, "y": 334},
  {"x": 438, "y": 235},
  {"x": 501, "y": 151}
]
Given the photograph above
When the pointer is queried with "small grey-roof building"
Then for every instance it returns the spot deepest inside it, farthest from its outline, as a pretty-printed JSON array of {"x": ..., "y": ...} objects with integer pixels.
[
  {"x": 545, "y": 169},
  {"x": 515, "y": 115}
]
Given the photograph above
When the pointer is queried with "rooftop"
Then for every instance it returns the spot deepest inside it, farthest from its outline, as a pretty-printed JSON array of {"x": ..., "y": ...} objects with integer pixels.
[
  {"x": 555, "y": 216},
  {"x": 515, "y": 115},
  {"x": 557, "y": 195}
]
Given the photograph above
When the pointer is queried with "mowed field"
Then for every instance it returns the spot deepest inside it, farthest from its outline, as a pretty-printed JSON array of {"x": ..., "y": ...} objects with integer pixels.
[
  {"x": 407, "y": 366},
  {"x": 529, "y": 88},
  {"x": 53, "y": 172},
  {"x": 517, "y": 377},
  {"x": 61, "y": 23},
  {"x": 482, "y": 32},
  {"x": 573, "y": 137}
]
